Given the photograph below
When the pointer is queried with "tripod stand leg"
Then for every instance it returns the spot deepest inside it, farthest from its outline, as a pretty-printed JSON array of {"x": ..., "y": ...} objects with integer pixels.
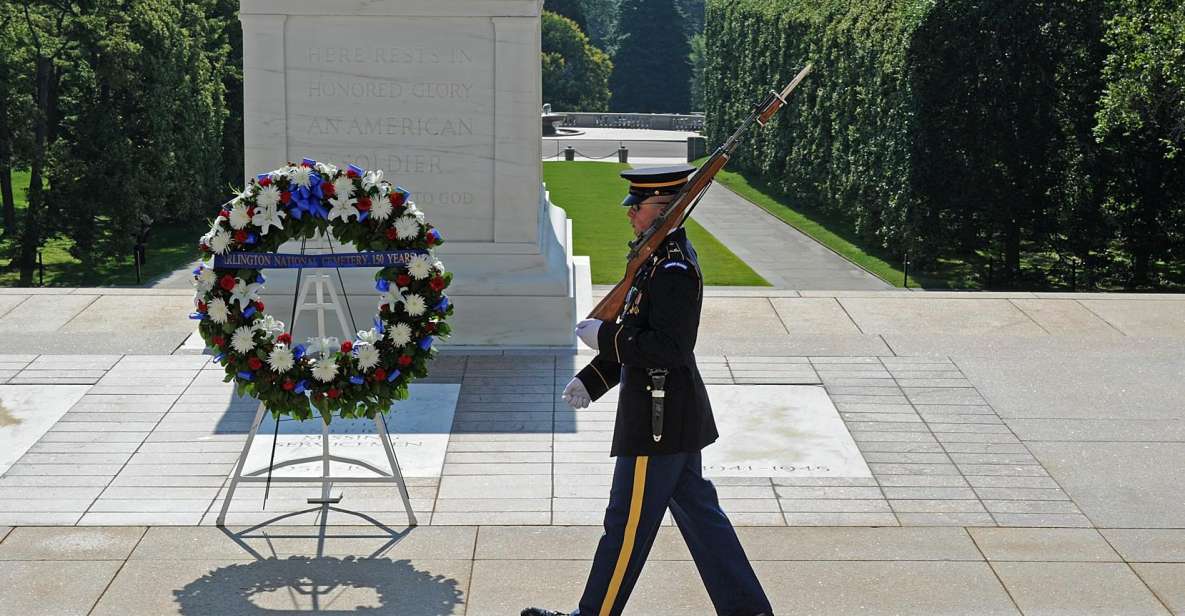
[
  {"x": 381, "y": 425},
  {"x": 234, "y": 480}
]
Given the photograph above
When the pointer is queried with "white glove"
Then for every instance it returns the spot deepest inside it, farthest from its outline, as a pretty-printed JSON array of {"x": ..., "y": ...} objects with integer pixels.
[
  {"x": 576, "y": 395},
  {"x": 587, "y": 331}
]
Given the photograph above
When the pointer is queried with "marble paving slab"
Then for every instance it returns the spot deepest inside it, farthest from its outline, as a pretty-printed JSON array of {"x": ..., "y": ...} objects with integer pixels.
[
  {"x": 419, "y": 428},
  {"x": 780, "y": 431},
  {"x": 27, "y": 412}
]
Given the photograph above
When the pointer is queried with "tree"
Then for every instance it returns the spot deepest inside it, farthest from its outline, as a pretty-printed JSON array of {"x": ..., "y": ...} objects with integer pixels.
[
  {"x": 1141, "y": 125},
  {"x": 601, "y": 18},
  {"x": 698, "y": 58},
  {"x": 651, "y": 70},
  {"x": 575, "y": 74},
  {"x": 572, "y": 9}
]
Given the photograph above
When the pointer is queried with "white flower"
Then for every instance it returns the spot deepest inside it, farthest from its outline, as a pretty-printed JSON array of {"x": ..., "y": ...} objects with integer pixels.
[
  {"x": 369, "y": 336},
  {"x": 219, "y": 242},
  {"x": 243, "y": 294},
  {"x": 399, "y": 334},
  {"x": 407, "y": 227},
  {"x": 438, "y": 266},
  {"x": 392, "y": 296},
  {"x": 419, "y": 267},
  {"x": 243, "y": 339},
  {"x": 371, "y": 178},
  {"x": 343, "y": 186},
  {"x": 268, "y": 217},
  {"x": 380, "y": 209},
  {"x": 414, "y": 211},
  {"x": 217, "y": 310},
  {"x": 269, "y": 196},
  {"x": 281, "y": 360},
  {"x": 269, "y": 324},
  {"x": 327, "y": 168},
  {"x": 205, "y": 280},
  {"x": 414, "y": 305},
  {"x": 325, "y": 370},
  {"x": 343, "y": 208},
  {"x": 239, "y": 217},
  {"x": 299, "y": 176},
  {"x": 368, "y": 356},
  {"x": 326, "y": 346}
]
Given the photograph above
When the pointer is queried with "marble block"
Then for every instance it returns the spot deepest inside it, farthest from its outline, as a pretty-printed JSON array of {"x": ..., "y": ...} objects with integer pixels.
[
  {"x": 419, "y": 429},
  {"x": 780, "y": 431},
  {"x": 444, "y": 97},
  {"x": 27, "y": 412}
]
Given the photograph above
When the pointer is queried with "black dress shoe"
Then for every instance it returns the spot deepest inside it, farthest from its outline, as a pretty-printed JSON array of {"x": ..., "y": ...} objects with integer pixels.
[{"x": 538, "y": 611}]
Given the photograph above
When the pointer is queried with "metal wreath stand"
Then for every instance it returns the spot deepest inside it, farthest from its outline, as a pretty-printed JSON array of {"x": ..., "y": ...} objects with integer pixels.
[{"x": 321, "y": 286}]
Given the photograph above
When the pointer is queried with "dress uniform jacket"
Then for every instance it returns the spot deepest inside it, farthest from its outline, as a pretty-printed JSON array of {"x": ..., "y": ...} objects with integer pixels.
[{"x": 657, "y": 329}]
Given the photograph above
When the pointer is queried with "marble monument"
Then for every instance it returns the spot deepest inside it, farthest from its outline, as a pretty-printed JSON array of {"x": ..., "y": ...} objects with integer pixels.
[{"x": 443, "y": 96}]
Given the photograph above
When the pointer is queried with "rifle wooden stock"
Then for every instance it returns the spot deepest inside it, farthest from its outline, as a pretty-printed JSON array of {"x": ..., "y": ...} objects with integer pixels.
[{"x": 680, "y": 208}]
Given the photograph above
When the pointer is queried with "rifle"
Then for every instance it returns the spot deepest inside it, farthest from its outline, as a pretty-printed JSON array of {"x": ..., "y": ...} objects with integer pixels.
[{"x": 686, "y": 199}]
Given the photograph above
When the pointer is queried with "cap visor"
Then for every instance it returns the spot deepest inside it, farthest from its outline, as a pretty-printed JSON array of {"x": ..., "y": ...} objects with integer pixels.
[{"x": 632, "y": 199}]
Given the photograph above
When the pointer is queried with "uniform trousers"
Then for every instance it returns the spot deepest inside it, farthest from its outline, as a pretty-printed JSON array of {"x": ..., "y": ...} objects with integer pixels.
[{"x": 643, "y": 488}]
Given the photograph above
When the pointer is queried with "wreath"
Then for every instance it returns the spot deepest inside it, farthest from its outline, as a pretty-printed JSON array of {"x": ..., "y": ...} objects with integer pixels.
[{"x": 355, "y": 378}]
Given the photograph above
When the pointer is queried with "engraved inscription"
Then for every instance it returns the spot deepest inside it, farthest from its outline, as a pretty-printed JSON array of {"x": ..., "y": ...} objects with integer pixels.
[
  {"x": 388, "y": 55},
  {"x": 343, "y": 88},
  {"x": 393, "y": 126}
]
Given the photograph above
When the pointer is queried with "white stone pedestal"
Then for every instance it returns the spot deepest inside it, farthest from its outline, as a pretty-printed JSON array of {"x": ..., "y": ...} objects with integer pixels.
[{"x": 443, "y": 96}]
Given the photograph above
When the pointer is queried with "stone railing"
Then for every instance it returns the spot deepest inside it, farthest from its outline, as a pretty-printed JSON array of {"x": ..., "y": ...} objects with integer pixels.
[{"x": 653, "y": 121}]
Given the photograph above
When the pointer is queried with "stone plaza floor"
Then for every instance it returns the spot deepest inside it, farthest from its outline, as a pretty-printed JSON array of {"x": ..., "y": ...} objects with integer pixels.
[{"x": 882, "y": 452}]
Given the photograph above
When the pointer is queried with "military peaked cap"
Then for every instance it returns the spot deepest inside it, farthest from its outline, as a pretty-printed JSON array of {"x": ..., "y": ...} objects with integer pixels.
[{"x": 651, "y": 181}]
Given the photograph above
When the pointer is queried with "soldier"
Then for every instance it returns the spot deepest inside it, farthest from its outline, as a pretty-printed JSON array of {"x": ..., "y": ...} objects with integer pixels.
[{"x": 663, "y": 420}]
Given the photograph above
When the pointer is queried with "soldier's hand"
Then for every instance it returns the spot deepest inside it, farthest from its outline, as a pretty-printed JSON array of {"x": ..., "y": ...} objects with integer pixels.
[
  {"x": 587, "y": 331},
  {"x": 576, "y": 395}
]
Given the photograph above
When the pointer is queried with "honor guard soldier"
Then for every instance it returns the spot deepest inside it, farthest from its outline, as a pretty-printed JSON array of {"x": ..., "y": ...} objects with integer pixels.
[{"x": 664, "y": 419}]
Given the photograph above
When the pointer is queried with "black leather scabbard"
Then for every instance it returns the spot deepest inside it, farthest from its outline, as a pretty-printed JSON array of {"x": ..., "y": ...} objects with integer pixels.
[{"x": 658, "y": 379}]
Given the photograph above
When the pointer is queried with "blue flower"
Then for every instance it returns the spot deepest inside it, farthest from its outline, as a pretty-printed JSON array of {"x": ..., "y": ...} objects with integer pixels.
[
  {"x": 426, "y": 343},
  {"x": 394, "y": 375},
  {"x": 219, "y": 357},
  {"x": 309, "y": 162},
  {"x": 356, "y": 169},
  {"x": 442, "y": 307},
  {"x": 298, "y": 351},
  {"x": 383, "y": 285},
  {"x": 378, "y": 324},
  {"x": 249, "y": 312},
  {"x": 357, "y": 380},
  {"x": 301, "y": 386},
  {"x": 198, "y": 316},
  {"x": 246, "y": 376}
]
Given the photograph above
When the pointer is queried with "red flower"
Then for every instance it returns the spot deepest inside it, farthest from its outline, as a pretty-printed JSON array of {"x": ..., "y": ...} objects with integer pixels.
[
  {"x": 347, "y": 346},
  {"x": 328, "y": 190},
  {"x": 403, "y": 280},
  {"x": 218, "y": 341},
  {"x": 254, "y": 363},
  {"x": 397, "y": 199},
  {"x": 305, "y": 164},
  {"x": 202, "y": 306},
  {"x": 384, "y": 307},
  {"x": 266, "y": 181},
  {"x": 259, "y": 306},
  {"x": 227, "y": 282},
  {"x": 284, "y": 338},
  {"x": 288, "y": 385},
  {"x": 404, "y": 361},
  {"x": 363, "y": 204},
  {"x": 334, "y": 393},
  {"x": 285, "y": 197},
  {"x": 224, "y": 213},
  {"x": 437, "y": 284},
  {"x": 429, "y": 327},
  {"x": 380, "y": 374},
  {"x": 390, "y": 233},
  {"x": 241, "y": 236},
  {"x": 431, "y": 239},
  {"x": 318, "y": 395},
  {"x": 251, "y": 211},
  {"x": 350, "y": 173}
]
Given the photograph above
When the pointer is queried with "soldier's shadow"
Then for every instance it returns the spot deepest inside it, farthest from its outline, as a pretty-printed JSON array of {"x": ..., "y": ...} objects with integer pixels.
[{"x": 319, "y": 584}]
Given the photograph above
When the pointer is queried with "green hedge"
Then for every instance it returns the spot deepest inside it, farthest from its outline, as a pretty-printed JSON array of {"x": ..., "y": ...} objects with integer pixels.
[
  {"x": 842, "y": 145},
  {"x": 969, "y": 131}
]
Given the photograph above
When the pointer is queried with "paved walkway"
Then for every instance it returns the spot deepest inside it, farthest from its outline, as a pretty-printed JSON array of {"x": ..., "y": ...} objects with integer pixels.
[
  {"x": 1023, "y": 454},
  {"x": 783, "y": 255}
]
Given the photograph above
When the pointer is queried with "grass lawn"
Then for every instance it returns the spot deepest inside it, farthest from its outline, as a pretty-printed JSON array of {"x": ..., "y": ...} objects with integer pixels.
[
  {"x": 591, "y": 192},
  {"x": 169, "y": 248}
]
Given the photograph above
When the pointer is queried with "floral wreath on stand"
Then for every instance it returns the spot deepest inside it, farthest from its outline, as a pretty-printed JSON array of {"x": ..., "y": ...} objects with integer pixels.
[{"x": 356, "y": 378}]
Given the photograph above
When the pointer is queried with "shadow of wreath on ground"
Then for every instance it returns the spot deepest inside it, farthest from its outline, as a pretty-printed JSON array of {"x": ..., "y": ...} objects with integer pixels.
[{"x": 322, "y": 585}]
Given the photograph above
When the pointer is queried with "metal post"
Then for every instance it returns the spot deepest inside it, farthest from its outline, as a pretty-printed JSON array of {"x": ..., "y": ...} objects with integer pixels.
[
  {"x": 569, "y": 153},
  {"x": 40, "y": 269},
  {"x": 905, "y": 267},
  {"x": 623, "y": 154}
]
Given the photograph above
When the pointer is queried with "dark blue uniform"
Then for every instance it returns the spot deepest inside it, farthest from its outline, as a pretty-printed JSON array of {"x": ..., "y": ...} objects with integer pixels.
[{"x": 657, "y": 330}]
